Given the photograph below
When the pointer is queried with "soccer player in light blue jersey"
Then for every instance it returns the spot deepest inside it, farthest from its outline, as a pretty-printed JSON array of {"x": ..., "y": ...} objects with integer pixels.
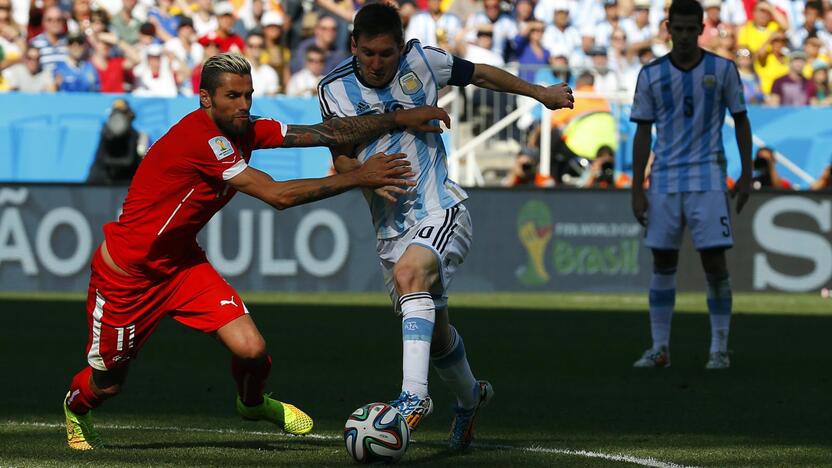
[
  {"x": 424, "y": 233},
  {"x": 685, "y": 94}
]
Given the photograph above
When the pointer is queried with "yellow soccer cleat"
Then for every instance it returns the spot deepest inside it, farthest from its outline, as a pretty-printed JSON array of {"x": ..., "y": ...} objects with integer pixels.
[
  {"x": 287, "y": 417},
  {"x": 80, "y": 434}
]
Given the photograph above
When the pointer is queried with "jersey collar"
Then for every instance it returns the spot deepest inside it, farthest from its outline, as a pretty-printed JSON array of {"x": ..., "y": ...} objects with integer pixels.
[{"x": 685, "y": 70}]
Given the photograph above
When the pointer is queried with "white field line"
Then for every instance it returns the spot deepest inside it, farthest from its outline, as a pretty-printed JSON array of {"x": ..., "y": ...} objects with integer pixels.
[{"x": 652, "y": 462}]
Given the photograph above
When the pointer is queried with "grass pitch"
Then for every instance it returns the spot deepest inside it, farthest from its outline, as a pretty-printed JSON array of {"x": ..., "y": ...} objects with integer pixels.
[{"x": 566, "y": 394}]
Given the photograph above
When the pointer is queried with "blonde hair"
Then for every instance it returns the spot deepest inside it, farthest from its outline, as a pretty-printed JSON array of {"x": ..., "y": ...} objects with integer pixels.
[{"x": 228, "y": 62}]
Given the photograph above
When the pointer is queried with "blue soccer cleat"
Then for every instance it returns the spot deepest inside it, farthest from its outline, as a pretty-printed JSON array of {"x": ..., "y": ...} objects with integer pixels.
[
  {"x": 412, "y": 408},
  {"x": 462, "y": 428}
]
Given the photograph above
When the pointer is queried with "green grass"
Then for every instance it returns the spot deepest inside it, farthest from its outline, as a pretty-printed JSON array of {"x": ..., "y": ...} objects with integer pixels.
[{"x": 560, "y": 365}]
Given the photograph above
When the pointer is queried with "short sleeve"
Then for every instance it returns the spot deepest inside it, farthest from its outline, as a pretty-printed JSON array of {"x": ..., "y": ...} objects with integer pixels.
[
  {"x": 219, "y": 159},
  {"x": 441, "y": 62},
  {"x": 267, "y": 133},
  {"x": 643, "y": 110},
  {"x": 326, "y": 102},
  {"x": 732, "y": 91}
]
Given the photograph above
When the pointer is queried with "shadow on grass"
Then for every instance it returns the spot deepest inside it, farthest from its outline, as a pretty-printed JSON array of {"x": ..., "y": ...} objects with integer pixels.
[{"x": 563, "y": 378}]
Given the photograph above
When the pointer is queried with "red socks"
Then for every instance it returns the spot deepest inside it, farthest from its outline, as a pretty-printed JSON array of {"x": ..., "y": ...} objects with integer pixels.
[
  {"x": 81, "y": 397},
  {"x": 251, "y": 378}
]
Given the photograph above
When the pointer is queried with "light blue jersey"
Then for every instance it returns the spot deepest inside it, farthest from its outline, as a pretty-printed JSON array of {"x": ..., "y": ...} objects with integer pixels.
[
  {"x": 422, "y": 73},
  {"x": 688, "y": 108}
]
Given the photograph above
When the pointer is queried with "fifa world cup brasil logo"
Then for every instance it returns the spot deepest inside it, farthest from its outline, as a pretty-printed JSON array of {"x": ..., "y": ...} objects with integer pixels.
[{"x": 534, "y": 228}]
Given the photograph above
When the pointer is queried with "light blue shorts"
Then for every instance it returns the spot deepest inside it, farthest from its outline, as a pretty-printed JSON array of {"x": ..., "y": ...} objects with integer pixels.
[{"x": 706, "y": 214}]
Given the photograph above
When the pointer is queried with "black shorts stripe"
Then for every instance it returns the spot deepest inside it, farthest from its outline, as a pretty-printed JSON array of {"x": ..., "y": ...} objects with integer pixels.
[
  {"x": 440, "y": 236},
  {"x": 448, "y": 239},
  {"x": 438, "y": 232}
]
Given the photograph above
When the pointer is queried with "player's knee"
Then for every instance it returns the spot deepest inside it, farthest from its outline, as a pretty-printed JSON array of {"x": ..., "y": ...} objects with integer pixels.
[
  {"x": 665, "y": 260},
  {"x": 410, "y": 278},
  {"x": 713, "y": 262}
]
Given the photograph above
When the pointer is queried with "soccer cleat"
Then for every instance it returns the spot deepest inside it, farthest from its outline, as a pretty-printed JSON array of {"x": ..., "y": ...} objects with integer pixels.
[
  {"x": 80, "y": 434},
  {"x": 287, "y": 417},
  {"x": 654, "y": 358},
  {"x": 718, "y": 360},
  {"x": 462, "y": 427},
  {"x": 412, "y": 408}
]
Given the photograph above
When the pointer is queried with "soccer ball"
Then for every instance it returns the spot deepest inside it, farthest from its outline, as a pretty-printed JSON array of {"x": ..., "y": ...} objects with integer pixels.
[{"x": 376, "y": 432}]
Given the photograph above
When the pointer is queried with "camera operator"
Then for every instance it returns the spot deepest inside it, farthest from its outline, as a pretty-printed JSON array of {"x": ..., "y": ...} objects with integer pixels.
[
  {"x": 525, "y": 172},
  {"x": 765, "y": 171},
  {"x": 120, "y": 148}
]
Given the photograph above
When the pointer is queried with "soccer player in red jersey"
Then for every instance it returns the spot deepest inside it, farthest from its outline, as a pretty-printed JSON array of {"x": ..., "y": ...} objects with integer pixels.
[{"x": 150, "y": 265}]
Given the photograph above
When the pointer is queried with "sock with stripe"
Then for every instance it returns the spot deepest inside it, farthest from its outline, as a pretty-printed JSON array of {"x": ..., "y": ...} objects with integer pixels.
[
  {"x": 719, "y": 309},
  {"x": 418, "y": 316},
  {"x": 250, "y": 376},
  {"x": 452, "y": 366},
  {"x": 662, "y": 301},
  {"x": 81, "y": 397}
]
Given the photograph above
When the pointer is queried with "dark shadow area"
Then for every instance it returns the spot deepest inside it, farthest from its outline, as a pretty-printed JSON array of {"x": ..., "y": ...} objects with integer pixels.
[{"x": 562, "y": 378}]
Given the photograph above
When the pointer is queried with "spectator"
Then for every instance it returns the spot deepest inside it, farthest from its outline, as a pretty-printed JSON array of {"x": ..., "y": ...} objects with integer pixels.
[
  {"x": 277, "y": 55},
  {"x": 709, "y": 39},
  {"x": 825, "y": 34},
  {"x": 126, "y": 23},
  {"x": 29, "y": 76},
  {"x": 621, "y": 58},
  {"x": 114, "y": 71},
  {"x": 630, "y": 77},
  {"x": 51, "y": 43},
  {"x": 642, "y": 32},
  {"x": 561, "y": 34},
  {"x": 531, "y": 55},
  {"x": 250, "y": 17},
  {"x": 771, "y": 63},
  {"x": 503, "y": 27},
  {"x": 750, "y": 81},
  {"x": 483, "y": 50},
  {"x": 12, "y": 41},
  {"x": 606, "y": 80},
  {"x": 80, "y": 16},
  {"x": 526, "y": 171},
  {"x": 326, "y": 30},
  {"x": 765, "y": 22},
  {"x": 434, "y": 27},
  {"x": 305, "y": 82},
  {"x": 727, "y": 42},
  {"x": 765, "y": 171},
  {"x": 160, "y": 16},
  {"x": 147, "y": 35},
  {"x": 212, "y": 48},
  {"x": 77, "y": 74},
  {"x": 820, "y": 78},
  {"x": 263, "y": 77},
  {"x": 811, "y": 24},
  {"x": 812, "y": 48},
  {"x": 224, "y": 35},
  {"x": 205, "y": 23},
  {"x": 185, "y": 46},
  {"x": 120, "y": 148},
  {"x": 99, "y": 21},
  {"x": 612, "y": 21},
  {"x": 824, "y": 182},
  {"x": 793, "y": 89},
  {"x": 155, "y": 75}
]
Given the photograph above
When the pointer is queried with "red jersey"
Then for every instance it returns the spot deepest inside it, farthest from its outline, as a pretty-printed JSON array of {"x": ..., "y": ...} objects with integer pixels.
[{"x": 177, "y": 189}]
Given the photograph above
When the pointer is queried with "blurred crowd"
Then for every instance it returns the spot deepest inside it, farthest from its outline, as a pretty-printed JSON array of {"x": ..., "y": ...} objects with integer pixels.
[{"x": 156, "y": 47}]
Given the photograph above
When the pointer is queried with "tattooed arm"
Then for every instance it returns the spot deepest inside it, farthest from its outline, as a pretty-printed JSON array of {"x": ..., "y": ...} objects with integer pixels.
[
  {"x": 353, "y": 130},
  {"x": 378, "y": 171}
]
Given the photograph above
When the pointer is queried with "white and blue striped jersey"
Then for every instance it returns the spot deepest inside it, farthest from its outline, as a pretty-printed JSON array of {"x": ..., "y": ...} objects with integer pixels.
[
  {"x": 422, "y": 26},
  {"x": 688, "y": 108},
  {"x": 422, "y": 73}
]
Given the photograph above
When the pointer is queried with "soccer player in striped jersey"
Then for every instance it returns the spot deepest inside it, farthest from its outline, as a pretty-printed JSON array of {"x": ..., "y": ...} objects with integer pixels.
[
  {"x": 685, "y": 94},
  {"x": 150, "y": 264},
  {"x": 423, "y": 233}
]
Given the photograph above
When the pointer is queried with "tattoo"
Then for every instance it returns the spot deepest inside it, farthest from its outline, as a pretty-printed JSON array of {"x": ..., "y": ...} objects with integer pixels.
[{"x": 339, "y": 131}]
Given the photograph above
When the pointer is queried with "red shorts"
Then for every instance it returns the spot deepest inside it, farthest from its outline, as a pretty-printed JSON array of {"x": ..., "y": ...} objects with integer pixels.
[{"x": 123, "y": 311}]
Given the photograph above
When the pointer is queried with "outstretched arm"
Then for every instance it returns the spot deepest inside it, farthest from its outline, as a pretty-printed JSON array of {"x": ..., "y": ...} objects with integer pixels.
[
  {"x": 354, "y": 130},
  {"x": 554, "y": 97},
  {"x": 379, "y": 170}
]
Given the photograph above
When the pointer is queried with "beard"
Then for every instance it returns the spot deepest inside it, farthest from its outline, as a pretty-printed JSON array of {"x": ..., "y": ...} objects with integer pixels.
[{"x": 234, "y": 127}]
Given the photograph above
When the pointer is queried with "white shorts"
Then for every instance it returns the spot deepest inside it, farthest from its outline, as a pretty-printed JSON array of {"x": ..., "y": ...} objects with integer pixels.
[
  {"x": 446, "y": 233},
  {"x": 707, "y": 214}
]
